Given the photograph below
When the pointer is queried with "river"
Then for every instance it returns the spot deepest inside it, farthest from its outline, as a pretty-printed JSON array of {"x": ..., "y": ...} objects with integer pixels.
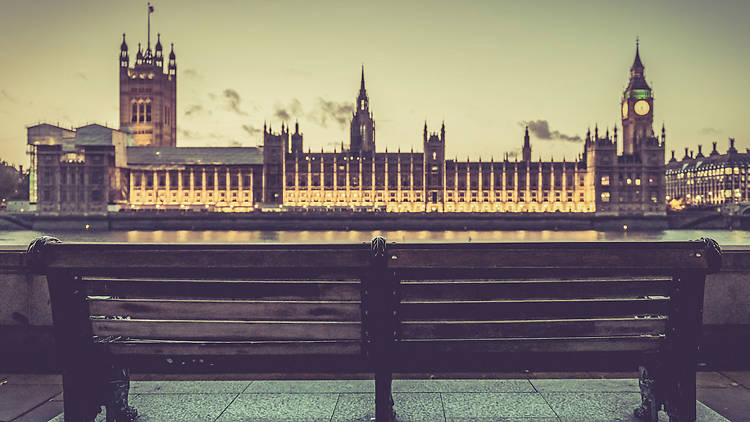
[{"x": 23, "y": 237}]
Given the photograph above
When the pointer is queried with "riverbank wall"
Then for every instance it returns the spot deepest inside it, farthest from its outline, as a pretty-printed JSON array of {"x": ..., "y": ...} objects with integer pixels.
[{"x": 288, "y": 220}]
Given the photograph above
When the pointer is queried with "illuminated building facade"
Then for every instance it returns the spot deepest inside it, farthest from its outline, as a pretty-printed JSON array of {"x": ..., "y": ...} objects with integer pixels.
[
  {"x": 716, "y": 179},
  {"x": 599, "y": 181},
  {"x": 140, "y": 166}
]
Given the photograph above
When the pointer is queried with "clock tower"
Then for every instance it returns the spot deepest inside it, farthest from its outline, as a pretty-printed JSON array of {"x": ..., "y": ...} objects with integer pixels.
[{"x": 637, "y": 109}]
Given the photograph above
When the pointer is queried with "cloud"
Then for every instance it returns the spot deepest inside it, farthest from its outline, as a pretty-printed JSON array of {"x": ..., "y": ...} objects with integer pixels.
[
  {"x": 285, "y": 113},
  {"x": 191, "y": 73},
  {"x": 196, "y": 109},
  {"x": 709, "y": 131},
  {"x": 234, "y": 143},
  {"x": 233, "y": 101},
  {"x": 7, "y": 96},
  {"x": 540, "y": 129},
  {"x": 81, "y": 75},
  {"x": 339, "y": 113},
  {"x": 251, "y": 130},
  {"x": 187, "y": 134}
]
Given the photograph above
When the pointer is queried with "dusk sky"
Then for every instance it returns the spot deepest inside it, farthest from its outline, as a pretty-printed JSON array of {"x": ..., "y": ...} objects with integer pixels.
[{"x": 485, "y": 67}]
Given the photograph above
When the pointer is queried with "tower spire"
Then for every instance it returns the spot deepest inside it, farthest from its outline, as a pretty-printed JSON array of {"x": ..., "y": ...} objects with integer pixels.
[
  {"x": 637, "y": 64},
  {"x": 362, "y": 81}
]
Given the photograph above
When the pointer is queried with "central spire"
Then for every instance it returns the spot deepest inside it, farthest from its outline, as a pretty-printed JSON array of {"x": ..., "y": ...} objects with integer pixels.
[
  {"x": 637, "y": 64},
  {"x": 362, "y": 81}
]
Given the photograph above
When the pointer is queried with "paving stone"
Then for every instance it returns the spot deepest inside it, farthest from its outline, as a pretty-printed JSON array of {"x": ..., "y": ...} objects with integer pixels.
[
  {"x": 503, "y": 420},
  {"x": 44, "y": 412},
  {"x": 604, "y": 407},
  {"x": 732, "y": 403},
  {"x": 408, "y": 407},
  {"x": 30, "y": 379},
  {"x": 463, "y": 386},
  {"x": 712, "y": 380},
  {"x": 207, "y": 387},
  {"x": 17, "y": 399},
  {"x": 269, "y": 407},
  {"x": 495, "y": 406},
  {"x": 180, "y": 407},
  {"x": 740, "y": 377},
  {"x": 588, "y": 385},
  {"x": 320, "y": 386}
]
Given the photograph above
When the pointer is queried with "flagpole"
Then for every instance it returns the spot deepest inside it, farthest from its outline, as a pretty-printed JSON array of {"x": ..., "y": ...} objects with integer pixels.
[{"x": 148, "y": 35}]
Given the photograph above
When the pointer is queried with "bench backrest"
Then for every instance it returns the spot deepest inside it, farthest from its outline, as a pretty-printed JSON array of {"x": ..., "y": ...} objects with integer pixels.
[
  {"x": 532, "y": 298},
  {"x": 421, "y": 302},
  {"x": 207, "y": 300}
]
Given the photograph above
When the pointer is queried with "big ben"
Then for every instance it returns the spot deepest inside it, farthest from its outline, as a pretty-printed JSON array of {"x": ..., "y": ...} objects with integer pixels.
[{"x": 637, "y": 109}]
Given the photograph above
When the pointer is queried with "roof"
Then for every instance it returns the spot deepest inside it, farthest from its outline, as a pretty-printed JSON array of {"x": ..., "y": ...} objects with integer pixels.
[
  {"x": 712, "y": 161},
  {"x": 195, "y": 155}
]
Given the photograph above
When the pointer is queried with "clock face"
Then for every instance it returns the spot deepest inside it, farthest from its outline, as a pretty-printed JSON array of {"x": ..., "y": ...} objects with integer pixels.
[
  {"x": 625, "y": 110},
  {"x": 641, "y": 107}
]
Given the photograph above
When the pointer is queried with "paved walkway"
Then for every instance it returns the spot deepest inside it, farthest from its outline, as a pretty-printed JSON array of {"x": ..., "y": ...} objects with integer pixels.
[{"x": 25, "y": 398}]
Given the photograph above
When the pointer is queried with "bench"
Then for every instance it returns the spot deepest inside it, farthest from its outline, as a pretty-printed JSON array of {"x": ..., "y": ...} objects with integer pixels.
[{"x": 379, "y": 308}]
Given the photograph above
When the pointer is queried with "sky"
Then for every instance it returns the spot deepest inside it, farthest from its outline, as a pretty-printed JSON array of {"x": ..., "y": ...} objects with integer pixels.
[{"x": 486, "y": 68}]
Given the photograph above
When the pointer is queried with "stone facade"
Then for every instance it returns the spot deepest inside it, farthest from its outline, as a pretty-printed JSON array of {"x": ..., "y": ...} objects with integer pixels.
[
  {"x": 716, "y": 179},
  {"x": 148, "y": 96}
]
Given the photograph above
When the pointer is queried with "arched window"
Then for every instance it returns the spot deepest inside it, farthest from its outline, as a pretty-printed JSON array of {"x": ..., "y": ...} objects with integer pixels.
[
  {"x": 148, "y": 112},
  {"x": 141, "y": 112},
  {"x": 134, "y": 117}
]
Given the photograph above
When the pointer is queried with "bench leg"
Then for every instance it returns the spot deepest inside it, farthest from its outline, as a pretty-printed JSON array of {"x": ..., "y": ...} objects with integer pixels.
[
  {"x": 682, "y": 408},
  {"x": 79, "y": 404},
  {"x": 117, "y": 399},
  {"x": 650, "y": 402},
  {"x": 383, "y": 397}
]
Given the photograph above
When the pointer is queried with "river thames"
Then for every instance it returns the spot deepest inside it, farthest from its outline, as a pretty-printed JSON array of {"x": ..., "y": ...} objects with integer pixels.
[{"x": 23, "y": 237}]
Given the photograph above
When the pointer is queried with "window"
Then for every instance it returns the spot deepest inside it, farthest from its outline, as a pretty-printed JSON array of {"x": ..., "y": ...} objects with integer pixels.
[
  {"x": 605, "y": 196},
  {"x": 605, "y": 180},
  {"x": 140, "y": 112},
  {"x": 135, "y": 113},
  {"x": 96, "y": 195},
  {"x": 137, "y": 180},
  {"x": 148, "y": 112}
]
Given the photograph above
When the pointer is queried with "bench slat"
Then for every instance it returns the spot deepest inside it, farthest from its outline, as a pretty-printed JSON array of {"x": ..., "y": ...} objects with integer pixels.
[
  {"x": 260, "y": 348},
  {"x": 226, "y": 330},
  {"x": 603, "y": 257},
  {"x": 531, "y": 309},
  {"x": 534, "y": 329},
  {"x": 219, "y": 289},
  {"x": 551, "y": 345},
  {"x": 209, "y": 260},
  {"x": 533, "y": 289},
  {"x": 234, "y": 310}
]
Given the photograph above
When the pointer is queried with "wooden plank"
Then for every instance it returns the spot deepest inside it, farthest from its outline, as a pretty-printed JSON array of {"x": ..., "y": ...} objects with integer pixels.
[
  {"x": 533, "y": 328},
  {"x": 533, "y": 289},
  {"x": 559, "y": 257},
  {"x": 205, "y": 259},
  {"x": 235, "y": 310},
  {"x": 237, "y": 348},
  {"x": 530, "y": 309},
  {"x": 226, "y": 330},
  {"x": 528, "y": 345},
  {"x": 221, "y": 289}
]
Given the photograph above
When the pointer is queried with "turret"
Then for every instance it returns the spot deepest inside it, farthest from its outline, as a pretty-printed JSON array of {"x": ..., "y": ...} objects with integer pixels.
[
  {"x": 672, "y": 160},
  {"x": 526, "y": 150},
  {"x": 159, "y": 56},
  {"x": 714, "y": 151},
  {"x": 124, "y": 58},
  {"x": 172, "y": 69}
]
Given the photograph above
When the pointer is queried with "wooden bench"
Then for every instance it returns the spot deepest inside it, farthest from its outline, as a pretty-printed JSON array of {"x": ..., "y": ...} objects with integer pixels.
[{"x": 378, "y": 308}]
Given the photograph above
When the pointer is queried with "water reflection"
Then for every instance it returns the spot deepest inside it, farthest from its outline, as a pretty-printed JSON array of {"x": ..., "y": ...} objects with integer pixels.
[{"x": 23, "y": 237}]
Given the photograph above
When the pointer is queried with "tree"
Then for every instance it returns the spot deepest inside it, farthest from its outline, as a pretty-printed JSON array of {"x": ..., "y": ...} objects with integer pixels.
[{"x": 14, "y": 184}]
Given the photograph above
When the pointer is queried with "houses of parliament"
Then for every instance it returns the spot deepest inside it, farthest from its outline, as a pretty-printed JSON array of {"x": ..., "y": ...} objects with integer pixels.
[{"x": 95, "y": 169}]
